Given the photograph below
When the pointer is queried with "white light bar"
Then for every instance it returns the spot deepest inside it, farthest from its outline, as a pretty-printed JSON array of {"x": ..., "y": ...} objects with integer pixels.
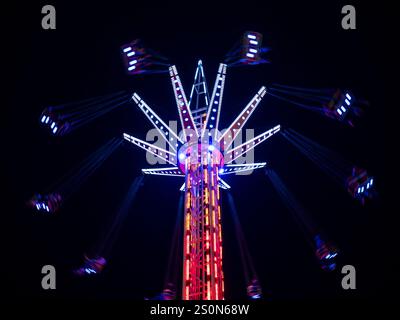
[
  {"x": 174, "y": 171},
  {"x": 185, "y": 115},
  {"x": 240, "y": 150},
  {"x": 223, "y": 185},
  {"x": 157, "y": 151},
  {"x": 230, "y": 134},
  {"x": 183, "y": 188},
  {"x": 234, "y": 168},
  {"x": 214, "y": 108},
  {"x": 169, "y": 135}
]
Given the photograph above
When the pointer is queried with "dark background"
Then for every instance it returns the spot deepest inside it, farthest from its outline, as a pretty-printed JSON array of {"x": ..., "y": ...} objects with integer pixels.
[{"x": 81, "y": 59}]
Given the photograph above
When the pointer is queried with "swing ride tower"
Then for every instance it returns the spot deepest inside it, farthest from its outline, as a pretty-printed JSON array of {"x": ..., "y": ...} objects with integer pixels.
[{"x": 201, "y": 154}]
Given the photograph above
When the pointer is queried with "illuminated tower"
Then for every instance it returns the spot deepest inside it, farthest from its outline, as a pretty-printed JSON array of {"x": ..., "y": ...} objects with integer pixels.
[{"x": 200, "y": 155}]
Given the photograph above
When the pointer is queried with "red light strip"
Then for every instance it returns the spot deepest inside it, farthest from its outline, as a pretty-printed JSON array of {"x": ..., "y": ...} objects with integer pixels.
[{"x": 187, "y": 269}]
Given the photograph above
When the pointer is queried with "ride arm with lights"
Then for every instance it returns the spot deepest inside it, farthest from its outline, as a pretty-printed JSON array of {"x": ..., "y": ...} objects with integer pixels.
[
  {"x": 185, "y": 115},
  {"x": 161, "y": 153},
  {"x": 240, "y": 150},
  {"x": 235, "y": 168},
  {"x": 231, "y": 133},
  {"x": 169, "y": 135},
  {"x": 214, "y": 109},
  {"x": 173, "y": 171}
]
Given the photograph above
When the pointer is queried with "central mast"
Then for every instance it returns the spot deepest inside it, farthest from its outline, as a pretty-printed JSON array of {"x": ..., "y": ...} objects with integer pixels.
[{"x": 203, "y": 278}]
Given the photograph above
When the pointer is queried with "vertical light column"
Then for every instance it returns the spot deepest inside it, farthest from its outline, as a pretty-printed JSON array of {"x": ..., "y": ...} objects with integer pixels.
[
  {"x": 203, "y": 277},
  {"x": 193, "y": 246},
  {"x": 206, "y": 227},
  {"x": 217, "y": 277},
  {"x": 186, "y": 284}
]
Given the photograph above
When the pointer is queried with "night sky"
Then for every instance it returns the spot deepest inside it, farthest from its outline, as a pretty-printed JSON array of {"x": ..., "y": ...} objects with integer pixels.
[{"x": 81, "y": 59}]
